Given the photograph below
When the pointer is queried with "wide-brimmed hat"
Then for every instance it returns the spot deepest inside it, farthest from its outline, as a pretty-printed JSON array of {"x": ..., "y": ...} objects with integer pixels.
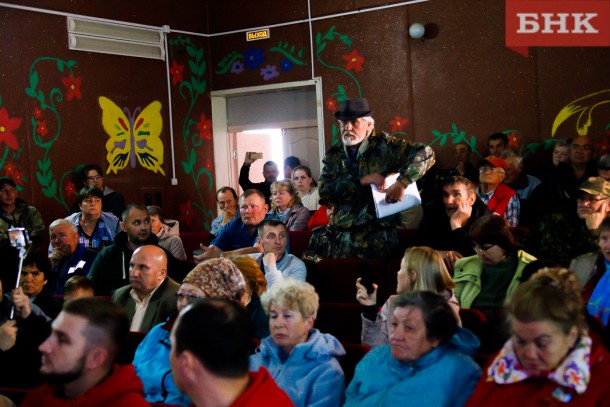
[
  {"x": 494, "y": 162},
  {"x": 353, "y": 108},
  {"x": 596, "y": 186}
]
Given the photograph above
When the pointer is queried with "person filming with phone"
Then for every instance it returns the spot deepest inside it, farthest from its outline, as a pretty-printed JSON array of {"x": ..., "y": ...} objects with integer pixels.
[{"x": 270, "y": 172}]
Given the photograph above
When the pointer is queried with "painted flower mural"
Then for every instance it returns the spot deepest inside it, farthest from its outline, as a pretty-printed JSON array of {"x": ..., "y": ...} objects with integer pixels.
[
  {"x": 205, "y": 128},
  {"x": 237, "y": 67},
  {"x": 354, "y": 61},
  {"x": 72, "y": 85},
  {"x": 7, "y": 127},
  {"x": 269, "y": 72},
  {"x": 331, "y": 104},
  {"x": 253, "y": 57},
  {"x": 176, "y": 73},
  {"x": 41, "y": 128},
  {"x": 514, "y": 140},
  {"x": 398, "y": 124},
  {"x": 70, "y": 189}
]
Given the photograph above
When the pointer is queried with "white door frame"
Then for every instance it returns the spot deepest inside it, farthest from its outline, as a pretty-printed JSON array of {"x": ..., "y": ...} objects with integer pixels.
[{"x": 222, "y": 153}]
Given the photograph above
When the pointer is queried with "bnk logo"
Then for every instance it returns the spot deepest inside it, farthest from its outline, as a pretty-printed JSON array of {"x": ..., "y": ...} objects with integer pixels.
[{"x": 584, "y": 23}]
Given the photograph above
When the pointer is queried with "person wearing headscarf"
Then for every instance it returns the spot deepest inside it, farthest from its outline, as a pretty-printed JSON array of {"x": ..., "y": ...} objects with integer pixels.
[{"x": 214, "y": 278}]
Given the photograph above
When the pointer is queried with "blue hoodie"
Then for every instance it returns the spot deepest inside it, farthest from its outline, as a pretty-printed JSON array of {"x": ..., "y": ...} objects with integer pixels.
[
  {"x": 445, "y": 376},
  {"x": 311, "y": 374}
]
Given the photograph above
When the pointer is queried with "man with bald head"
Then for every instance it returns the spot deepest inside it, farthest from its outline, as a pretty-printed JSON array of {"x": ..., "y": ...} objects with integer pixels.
[
  {"x": 150, "y": 296},
  {"x": 111, "y": 268}
]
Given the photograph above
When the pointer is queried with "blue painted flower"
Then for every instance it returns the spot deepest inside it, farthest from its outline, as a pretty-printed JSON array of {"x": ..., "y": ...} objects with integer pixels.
[
  {"x": 253, "y": 58},
  {"x": 286, "y": 65},
  {"x": 237, "y": 67},
  {"x": 269, "y": 72}
]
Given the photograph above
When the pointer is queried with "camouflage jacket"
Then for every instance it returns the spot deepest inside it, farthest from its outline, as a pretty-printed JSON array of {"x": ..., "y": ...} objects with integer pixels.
[{"x": 339, "y": 183}]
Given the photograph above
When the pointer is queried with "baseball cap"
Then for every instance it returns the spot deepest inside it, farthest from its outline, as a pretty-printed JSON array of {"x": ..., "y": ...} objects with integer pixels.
[
  {"x": 494, "y": 162},
  {"x": 596, "y": 186}
]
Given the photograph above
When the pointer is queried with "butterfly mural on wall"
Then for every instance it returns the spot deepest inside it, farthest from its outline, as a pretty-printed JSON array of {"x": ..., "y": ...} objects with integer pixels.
[{"x": 133, "y": 135}]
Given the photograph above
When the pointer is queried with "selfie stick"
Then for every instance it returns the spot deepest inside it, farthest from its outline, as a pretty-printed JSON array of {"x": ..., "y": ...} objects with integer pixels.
[{"x": 21, "y": 256}]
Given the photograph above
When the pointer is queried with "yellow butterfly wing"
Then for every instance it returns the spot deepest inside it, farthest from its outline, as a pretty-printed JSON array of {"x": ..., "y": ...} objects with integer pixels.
[
  {"x": 148, "y": 147},
  {"x": 117, "y": 126}
]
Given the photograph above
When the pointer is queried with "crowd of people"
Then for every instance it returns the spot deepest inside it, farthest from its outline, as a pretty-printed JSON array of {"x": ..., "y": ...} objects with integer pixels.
[{"x": 234, "y": 323}]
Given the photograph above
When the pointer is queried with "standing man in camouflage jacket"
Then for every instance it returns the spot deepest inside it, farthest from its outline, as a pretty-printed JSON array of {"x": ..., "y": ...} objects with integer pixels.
[{"x": 366, "y": 158}]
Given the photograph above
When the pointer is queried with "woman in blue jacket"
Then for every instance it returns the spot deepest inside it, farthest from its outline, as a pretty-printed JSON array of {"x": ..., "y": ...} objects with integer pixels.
[
  {"x": 427, "y": 363},
  {"x": 214, "y": 278},
  {"x": 301, "y": 360}
]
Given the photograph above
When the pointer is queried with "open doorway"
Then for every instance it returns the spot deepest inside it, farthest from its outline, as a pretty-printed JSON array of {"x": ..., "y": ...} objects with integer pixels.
[{"x": 293, "y": 108}]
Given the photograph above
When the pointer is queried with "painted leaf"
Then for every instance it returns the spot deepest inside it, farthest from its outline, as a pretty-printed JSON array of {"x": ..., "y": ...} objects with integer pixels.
[
  {"x": 318, "y": 38},
  {"x": 71, "y": 64},
  {"x": 30, "y": 92},
  {"x": 187, "y": 167},
  {"x": 41, "y": 179},
  {"x": 201, "y": 69},
  {"x": 60, "y": 65},
  {"x": 193, "y": 66},
  {"x": 321, "y": 47},
  {"x": 34, "y": 80},
  {"x": 192, "y": 158},
  {"x": 191, "y": 51}
]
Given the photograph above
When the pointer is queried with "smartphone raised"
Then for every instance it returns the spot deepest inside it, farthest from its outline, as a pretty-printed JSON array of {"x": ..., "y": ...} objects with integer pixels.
[
  {"x": 19, "y": 237},
  {"x": 256, "y": 156},
  {"x": 366, "y": 276}
]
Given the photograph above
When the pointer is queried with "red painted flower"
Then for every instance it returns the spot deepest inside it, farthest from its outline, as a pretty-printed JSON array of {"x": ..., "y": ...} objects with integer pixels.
[
  {"x": 72, "y": 85},
  {"x": 37, "y": 112},
  {"x": 205, "y": 128},
  {"x": 398, "y": 123},
  {"x": 176, "y": 72},
  {"x": 186, "y": 212},
  {"x": 331, "y": 104},
  {"x": 18, "y": 177},
  {"x": 7, "y": 126},
  {"x": 10, "y": 169},
  {"x": 69, "y": 188},
  {"x": 514, "y": 140},
  {"x": 603, "y": 147},
  {"x": 41, "y": 128},
  {"x": 354, "y": 61},
  {"x": 208, "y": 164}
]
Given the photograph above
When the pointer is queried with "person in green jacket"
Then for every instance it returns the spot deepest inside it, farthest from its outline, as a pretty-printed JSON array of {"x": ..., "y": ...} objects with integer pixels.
[{"x": 485, "y": 280}]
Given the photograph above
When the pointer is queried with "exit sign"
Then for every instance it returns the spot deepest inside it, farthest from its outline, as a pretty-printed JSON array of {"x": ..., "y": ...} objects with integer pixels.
[{"x": 258, "y": 34}]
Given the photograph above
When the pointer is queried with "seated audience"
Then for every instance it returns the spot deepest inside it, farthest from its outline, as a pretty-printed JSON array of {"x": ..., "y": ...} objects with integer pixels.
[
  {"x": 78, "y": 287},
  {"x": 591, "y": 269},
  {"x": 499, "y": 198},
  {"x": 35, "y": 275},
  {"x": 550, "y": 358},
  {"x": 562, "y": 236},
  {"x": 270, "y": 173},
  {"x": 150, "y": 297},
  {"x": 96, "y": 229},
  {"x": 302, "y": 360},
  {"x": 168, "y": 232},
  {"x": 463, "y": 164},
  {"x": 603, "y": 167},
  {"x": 112, "y": 201},
  {"x": 255, "y": 287},
  {"x": 68, "y": 257},
  {"x": 484, "y": 281},
  {"x": 111, "y": 268},
  {"x": 421, "y": 269},
  {"x": 215, "y": 278},
  {"x": 497, "y": 143},
  {"x": 524, "y": 184},
  {"x": 274, "y": 261},
  {"x": 78, "y": 359},
  {"x": 581, "y": 166},
  {"x": 226, "y": 197},
  {"x": 239, "y": 235},
  {"x": 306, "y": 187},
  {"x": 561, "y": 153},
  {"x": 286, "y": 206},
  {"x": 428, "y": 361},
  {"x": 15, "y": 212},
  {"x": 449, "y": 231},
  {"x": 290, "y": 163},
  {"x": 19, "y": 340},
  {"x": 209, "y": 360}
]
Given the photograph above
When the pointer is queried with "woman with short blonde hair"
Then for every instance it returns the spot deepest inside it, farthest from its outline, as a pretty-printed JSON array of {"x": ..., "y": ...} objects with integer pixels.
[{"x": 302, "y": 361}]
